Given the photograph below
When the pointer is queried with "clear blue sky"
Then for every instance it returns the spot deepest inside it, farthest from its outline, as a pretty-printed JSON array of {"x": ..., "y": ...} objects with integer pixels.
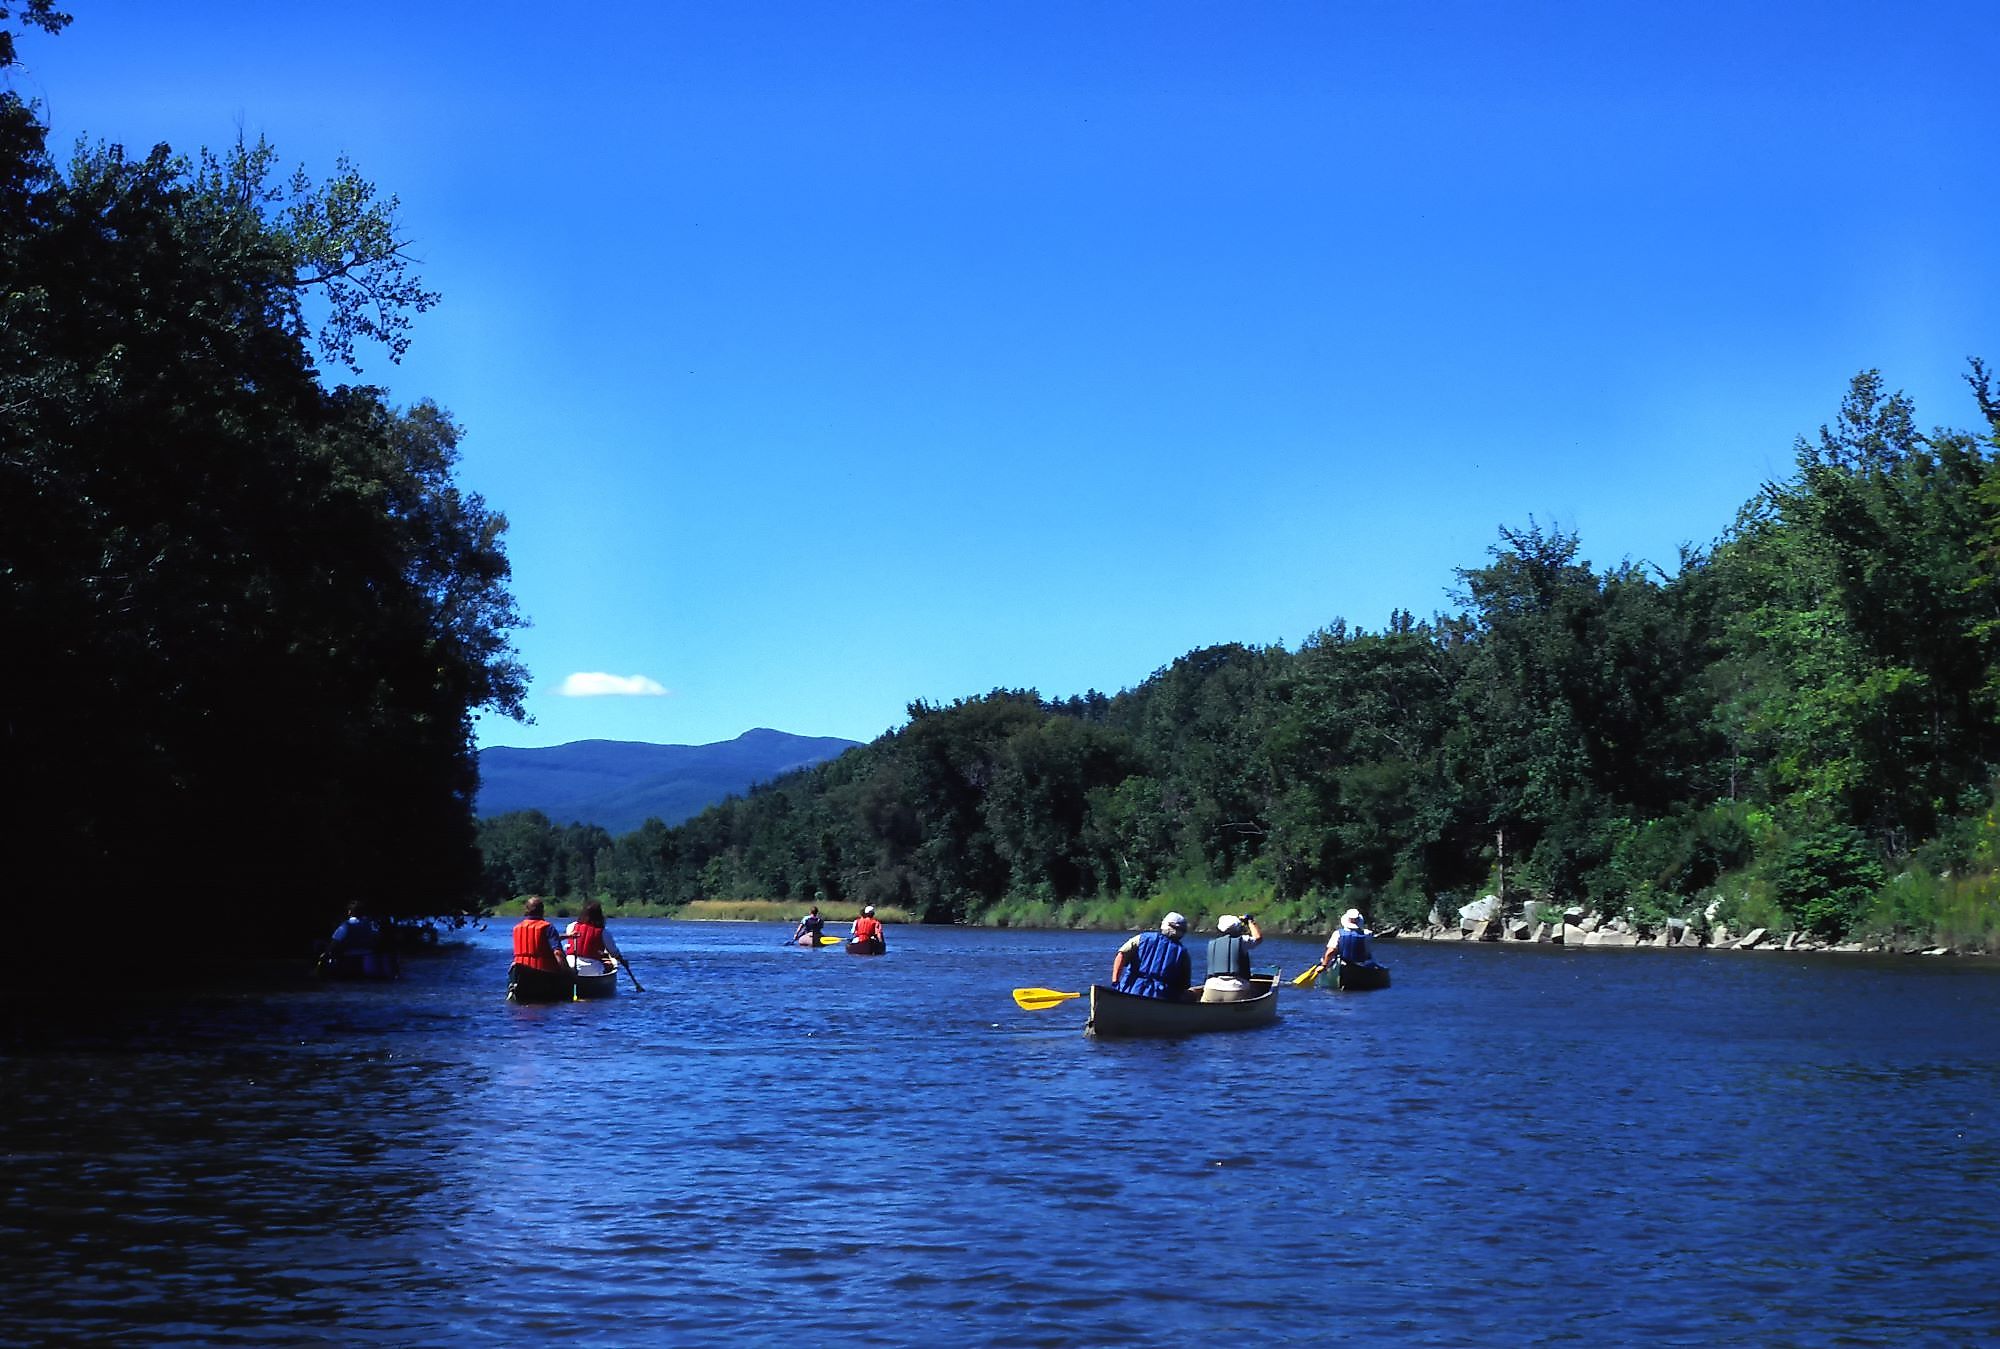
[{"x": 827, "y": 356}]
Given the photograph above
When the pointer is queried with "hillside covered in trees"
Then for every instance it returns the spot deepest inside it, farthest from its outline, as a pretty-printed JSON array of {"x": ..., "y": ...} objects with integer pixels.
[
  {"x": 249, "y": 612},
  {"x": 1795, "y": 728}
]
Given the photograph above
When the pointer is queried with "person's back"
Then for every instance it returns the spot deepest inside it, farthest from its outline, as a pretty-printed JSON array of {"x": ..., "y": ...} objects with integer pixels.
[
  {"x": 1154, "y": 964},
  {"x": 1229, "y": 959},
  {"x": 867, "y": 928},
  {"x": 1350, "y": 943},
  {"x": 534, "y": 943}
]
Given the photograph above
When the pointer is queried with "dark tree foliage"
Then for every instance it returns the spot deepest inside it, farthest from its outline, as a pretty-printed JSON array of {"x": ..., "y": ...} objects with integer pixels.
[{"x": 249, "y": 617}]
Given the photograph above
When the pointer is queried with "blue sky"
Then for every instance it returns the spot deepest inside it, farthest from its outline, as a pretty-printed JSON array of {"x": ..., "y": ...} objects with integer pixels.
[{"x": 824, "y": 357}]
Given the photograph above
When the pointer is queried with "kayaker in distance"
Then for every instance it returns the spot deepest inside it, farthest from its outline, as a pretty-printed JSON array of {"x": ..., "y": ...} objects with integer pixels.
[
  {"x": 589, "y": 943},
  {"x": 535, "y": 941},
  {"x": 1349, "y": 942},
  {"x": 1229, "y": 958},
  {"x": 866, "y": 928},
  {"x": 1154, "y": 964},
  {"x": 809, "y": 926}
]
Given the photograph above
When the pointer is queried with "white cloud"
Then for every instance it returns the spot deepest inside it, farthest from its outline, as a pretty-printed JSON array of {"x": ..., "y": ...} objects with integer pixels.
[{"x": 596, "y": 685}]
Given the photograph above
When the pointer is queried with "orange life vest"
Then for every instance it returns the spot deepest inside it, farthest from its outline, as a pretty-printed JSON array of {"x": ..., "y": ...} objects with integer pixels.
[
  {"x": 531, "y": 946},
  {"x": 587, "y": 940}
]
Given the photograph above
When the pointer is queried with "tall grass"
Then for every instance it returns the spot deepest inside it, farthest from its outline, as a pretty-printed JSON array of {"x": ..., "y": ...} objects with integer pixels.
[{"x": 1958, "y": 911}]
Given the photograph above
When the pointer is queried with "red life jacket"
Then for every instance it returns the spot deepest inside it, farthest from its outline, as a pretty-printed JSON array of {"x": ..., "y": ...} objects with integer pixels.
[
  {"x": 531, "y": 946},
  {"x": 866, "y": 928},
  {"x": 587, "y": 940}
]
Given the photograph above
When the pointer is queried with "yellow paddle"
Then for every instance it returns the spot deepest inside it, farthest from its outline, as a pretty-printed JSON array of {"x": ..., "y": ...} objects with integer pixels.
[
  {"x": 1306, "y": 978},
  {"x": 1041, "y": 999}
]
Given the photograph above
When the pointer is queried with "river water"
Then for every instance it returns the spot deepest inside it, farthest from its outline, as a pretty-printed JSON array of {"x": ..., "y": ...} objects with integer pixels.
[{"x": 774, "y": 1145}]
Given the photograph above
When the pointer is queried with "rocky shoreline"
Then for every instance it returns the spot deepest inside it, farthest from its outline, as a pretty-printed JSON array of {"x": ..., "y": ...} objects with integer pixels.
[{"x": 1575, "y": 928}]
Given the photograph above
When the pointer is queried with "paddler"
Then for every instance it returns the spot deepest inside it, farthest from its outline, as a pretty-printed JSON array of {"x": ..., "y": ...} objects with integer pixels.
[{"x": 1155, "y": 964}]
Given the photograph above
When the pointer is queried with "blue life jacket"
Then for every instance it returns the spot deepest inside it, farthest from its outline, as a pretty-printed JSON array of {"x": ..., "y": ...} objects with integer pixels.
[
  {"x": 1353, "y": 947},
  {"x": 1158, "y": 969},
  {"x": 1229, "y": 954}
]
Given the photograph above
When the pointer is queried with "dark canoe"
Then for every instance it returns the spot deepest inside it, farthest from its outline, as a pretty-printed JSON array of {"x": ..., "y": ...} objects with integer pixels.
[
  {"x": 1351, "y": 978},
  {"x": 1115, "y": 1015},
  {"x": 526, "y": 984},
  {"x": 874, "y": 946},
  {"x": 367, "y": 965}
]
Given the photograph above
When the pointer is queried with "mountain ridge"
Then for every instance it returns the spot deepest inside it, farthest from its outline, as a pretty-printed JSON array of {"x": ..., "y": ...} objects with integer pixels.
[{"x": 619, "y": 784}]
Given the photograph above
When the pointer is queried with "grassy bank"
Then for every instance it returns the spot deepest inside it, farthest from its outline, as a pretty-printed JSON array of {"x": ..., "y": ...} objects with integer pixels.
[
  {"x": 781, "y": 911},
  {"x": 713, "y": 910},
  {"x": 573, "y": 905}
]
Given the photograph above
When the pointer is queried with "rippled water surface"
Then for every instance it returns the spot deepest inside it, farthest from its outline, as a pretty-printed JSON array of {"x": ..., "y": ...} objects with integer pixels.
[{"x": 779, "y": 1145}]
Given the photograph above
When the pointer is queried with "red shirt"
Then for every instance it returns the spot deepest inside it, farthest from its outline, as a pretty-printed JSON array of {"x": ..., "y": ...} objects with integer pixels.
[{"x": 532, "y": 947}]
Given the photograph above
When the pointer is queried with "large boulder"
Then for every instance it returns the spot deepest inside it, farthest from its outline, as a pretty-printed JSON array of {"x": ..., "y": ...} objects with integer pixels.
[
  {"x": 1751, "y": 939},
  {"x": 1574, "y": 935},
  {"x": 1478, "y": 911},
  {"x": 1690, "y": 936}
]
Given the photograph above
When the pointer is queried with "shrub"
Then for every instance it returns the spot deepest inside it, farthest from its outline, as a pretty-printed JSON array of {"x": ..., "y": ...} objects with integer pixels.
[{"x": 1826, "y": 880}]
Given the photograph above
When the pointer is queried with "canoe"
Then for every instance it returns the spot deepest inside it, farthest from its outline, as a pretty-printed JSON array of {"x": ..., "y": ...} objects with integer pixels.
[
  {"x": 603, "y": 985},
  {"x": 374, "y": 965},
  {"x": 1352, "y": 978},
  {"x": 527, "y": 984},
  {"x": 874, "y": 946},
  {"x": 1115, "y": 1015}
]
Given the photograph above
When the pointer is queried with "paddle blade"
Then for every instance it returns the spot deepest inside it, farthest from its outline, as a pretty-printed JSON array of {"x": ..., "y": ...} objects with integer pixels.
[
  {"x": 1306, "y": 978},
  {"x": 1041, "y": 999},
  {"x": 829, "y": 941}
]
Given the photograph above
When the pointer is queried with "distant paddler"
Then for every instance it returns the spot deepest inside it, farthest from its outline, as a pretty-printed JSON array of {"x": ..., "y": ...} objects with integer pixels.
[
  {"x": 590, "y": 943},
  {"x": 1348, "y": 943},
  {"x": 867, "y": 928},
  {"x": 807, "y": 932}
]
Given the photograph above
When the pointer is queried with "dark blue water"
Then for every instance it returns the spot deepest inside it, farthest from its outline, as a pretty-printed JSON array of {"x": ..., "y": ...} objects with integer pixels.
[{"x": 773, "y": 1145}]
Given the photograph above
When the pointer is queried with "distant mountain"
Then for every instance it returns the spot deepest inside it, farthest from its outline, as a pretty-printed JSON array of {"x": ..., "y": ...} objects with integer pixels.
[{"x": 620, "y": 783}]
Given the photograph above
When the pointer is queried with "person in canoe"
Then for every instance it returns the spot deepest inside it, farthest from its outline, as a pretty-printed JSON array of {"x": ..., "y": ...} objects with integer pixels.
[
  {"x": 1155, "y": 964},
  {"x": 535, "y": 941},
  {"x": 358, "y": 947},
  {"x": 1229, "y": 958},
  {"x": 590, "y": 945},
  {"x": 807, "y": 932},
  {"x": 1349, "y": 943},
  {"x": 868, "y": 928}
]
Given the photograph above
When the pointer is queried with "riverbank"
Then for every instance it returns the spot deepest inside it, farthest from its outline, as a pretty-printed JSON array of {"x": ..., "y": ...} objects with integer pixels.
[
  {"x": 708, "y": 910},
  {"x": 1591, "y": 931}
]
